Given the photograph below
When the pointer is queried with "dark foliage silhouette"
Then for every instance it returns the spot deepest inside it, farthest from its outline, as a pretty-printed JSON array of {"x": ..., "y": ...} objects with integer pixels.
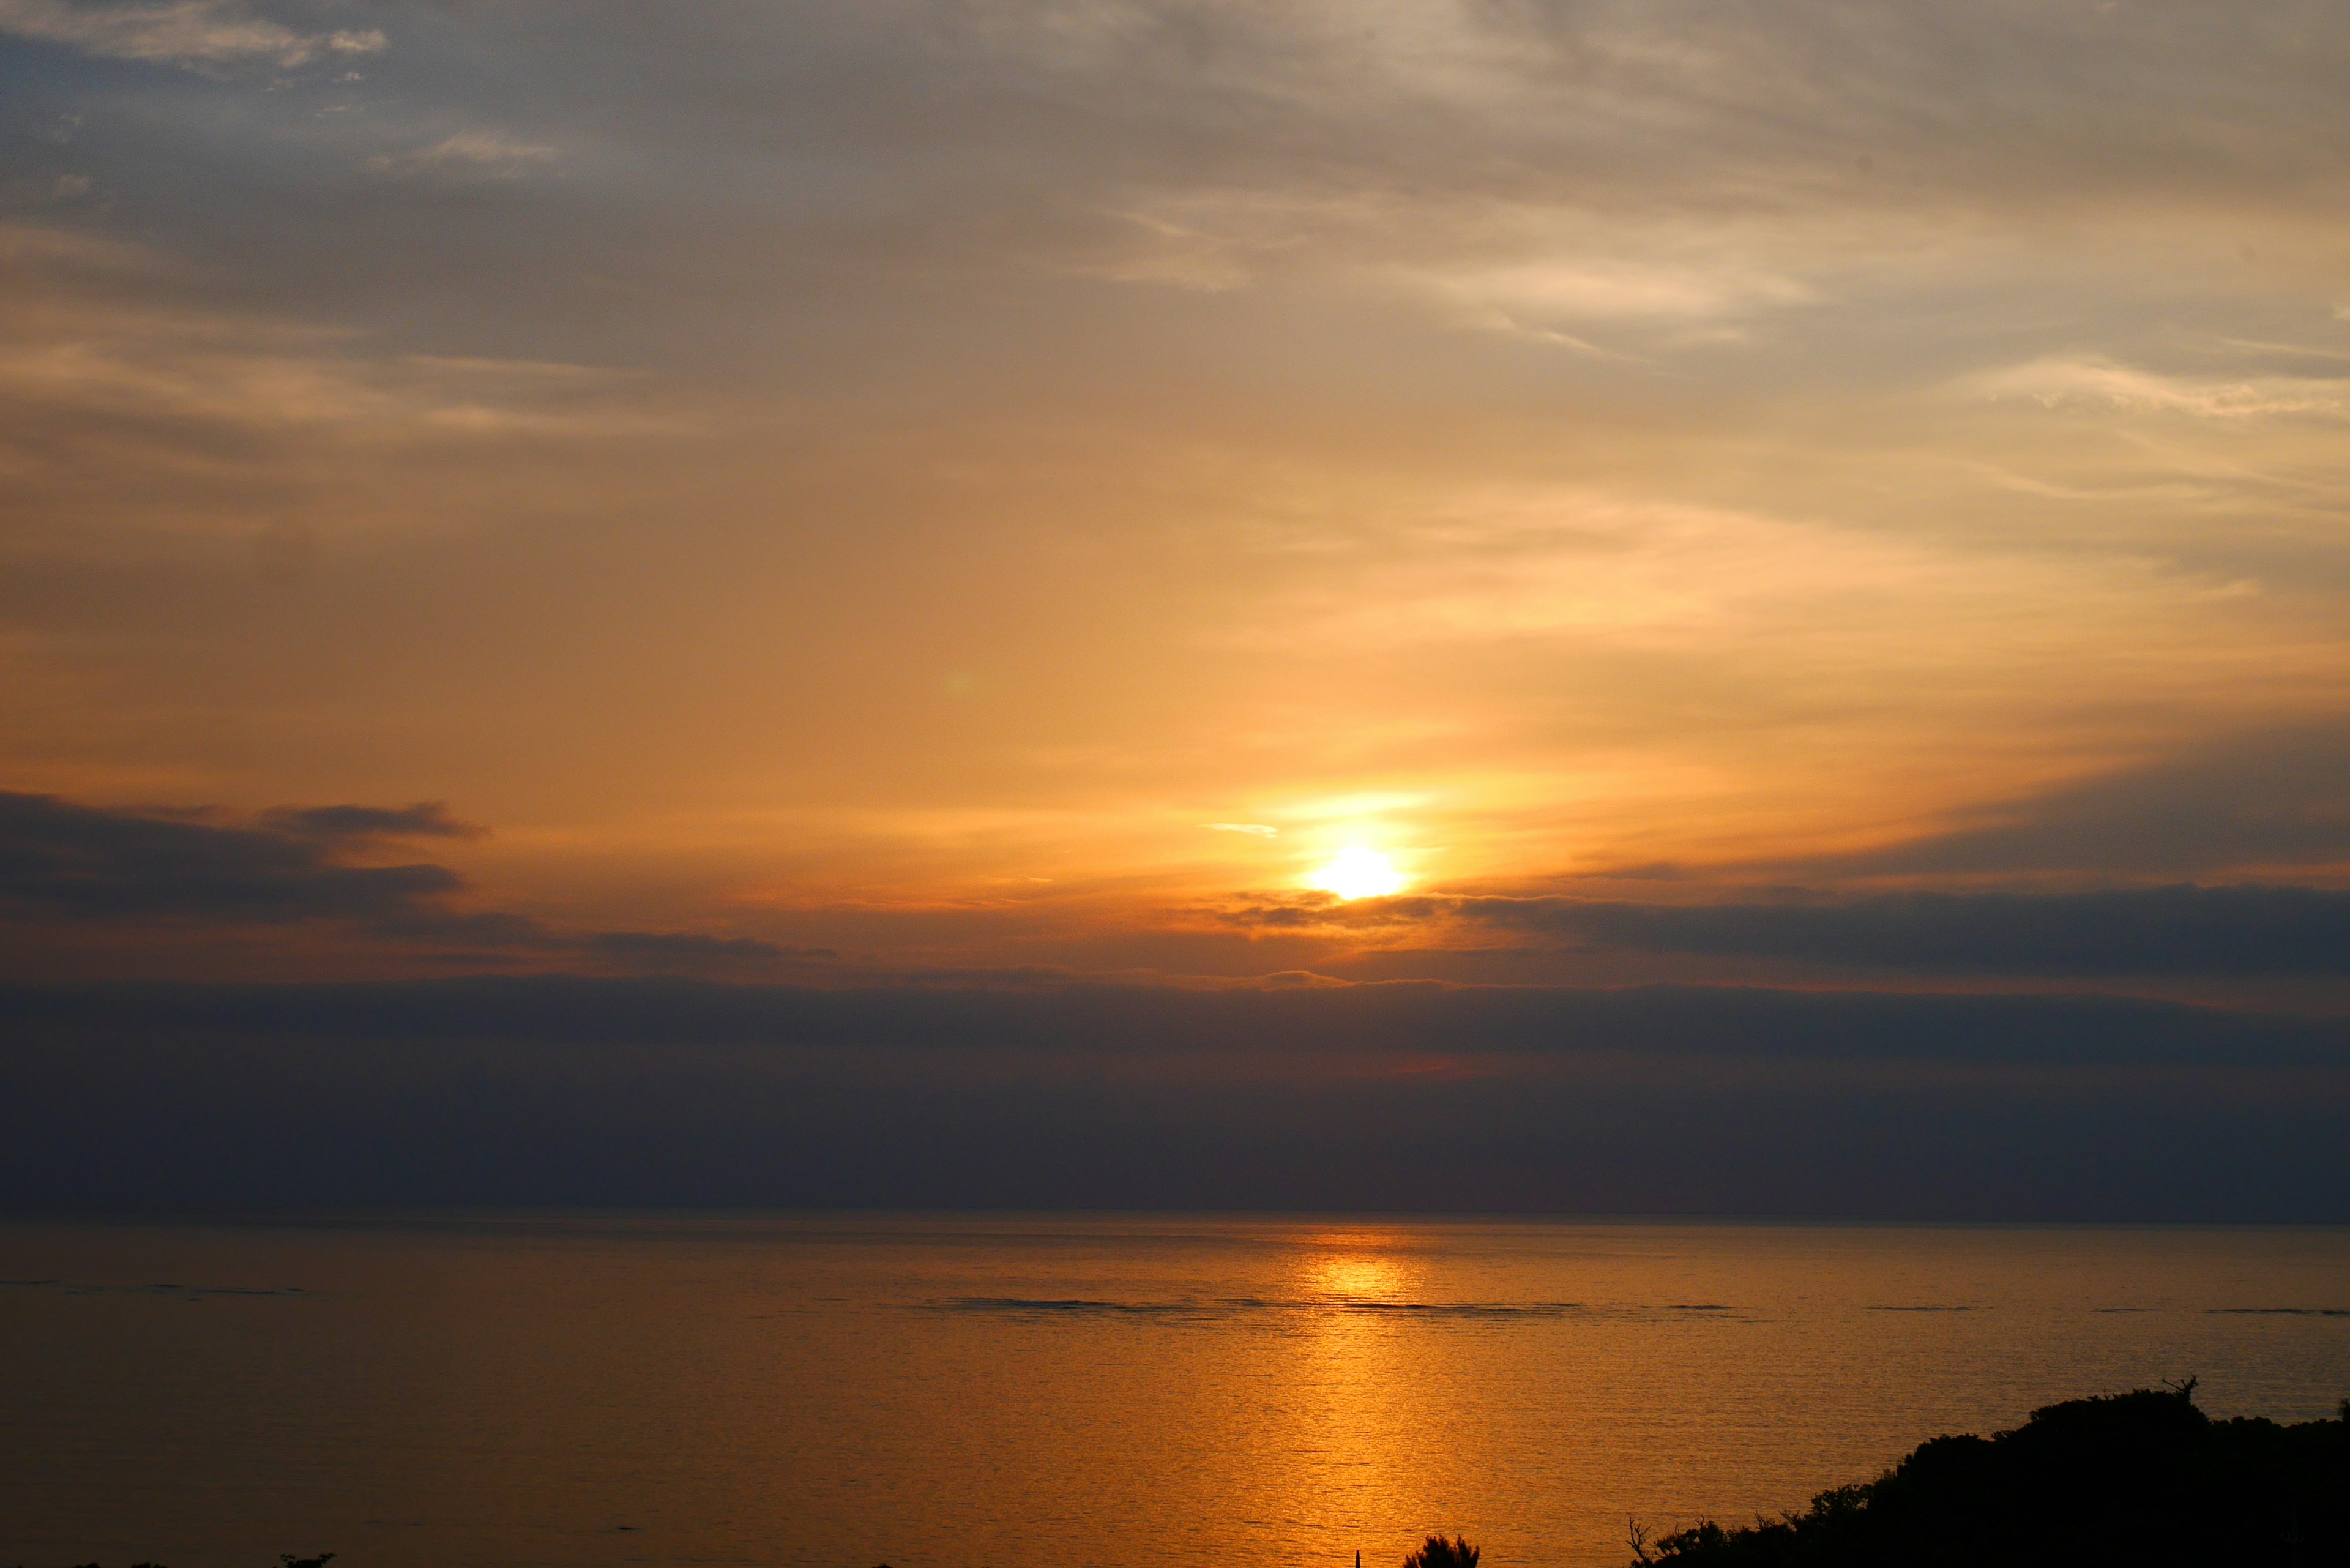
[
  {"x": 1439, "y": 1552},
  {"x": 284, "y": 1560},
  {"x": 2142, "y": 1479}
]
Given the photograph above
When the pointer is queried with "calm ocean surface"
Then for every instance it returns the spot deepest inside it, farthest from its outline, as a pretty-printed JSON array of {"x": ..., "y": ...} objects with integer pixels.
[{"x": 847, "y": 1391}]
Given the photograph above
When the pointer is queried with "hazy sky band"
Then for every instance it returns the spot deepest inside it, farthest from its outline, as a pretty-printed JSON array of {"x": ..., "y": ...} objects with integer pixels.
[{"x": 568, "y": 1091}]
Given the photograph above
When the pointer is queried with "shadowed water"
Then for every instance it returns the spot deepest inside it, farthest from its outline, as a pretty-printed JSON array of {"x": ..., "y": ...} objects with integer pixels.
[{"x": 1062, "y": 1391}]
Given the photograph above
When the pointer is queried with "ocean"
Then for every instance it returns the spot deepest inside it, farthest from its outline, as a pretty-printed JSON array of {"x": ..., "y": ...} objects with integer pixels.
[{"x": 842, "y": 1391}]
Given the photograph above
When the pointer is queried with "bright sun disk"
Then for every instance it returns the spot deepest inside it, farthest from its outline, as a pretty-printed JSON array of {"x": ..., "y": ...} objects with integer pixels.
[{"x": 1357, "y": 873}]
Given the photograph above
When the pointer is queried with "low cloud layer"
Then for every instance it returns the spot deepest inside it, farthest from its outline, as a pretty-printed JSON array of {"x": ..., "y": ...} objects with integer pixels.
[
  {"x": 2176, "y": 930},
  {"x": 1413, "y": 1098},
  {"x": 1244, "y": 1027}
]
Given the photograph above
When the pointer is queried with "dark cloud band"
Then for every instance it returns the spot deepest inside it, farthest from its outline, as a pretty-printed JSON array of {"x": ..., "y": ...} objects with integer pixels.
[
  {"x": 1392, "y": 1097},
  {"x": 64, "y": 861},
  {"x": 2174, "y": 930},
  {"x": 1101, "y": 1022}
]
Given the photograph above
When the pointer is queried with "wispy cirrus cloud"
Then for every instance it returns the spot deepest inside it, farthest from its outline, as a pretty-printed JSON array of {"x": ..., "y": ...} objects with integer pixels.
[
  {"x": 180, "y": 32},
  {"x": 482, "y": 154},
  {"x": 121, "y": 374},
  {"x": 2098, "y": 381}
]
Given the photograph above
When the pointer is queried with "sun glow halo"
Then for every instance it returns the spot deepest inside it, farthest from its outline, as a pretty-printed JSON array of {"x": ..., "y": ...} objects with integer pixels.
[{"x": 1357, "y": 873}]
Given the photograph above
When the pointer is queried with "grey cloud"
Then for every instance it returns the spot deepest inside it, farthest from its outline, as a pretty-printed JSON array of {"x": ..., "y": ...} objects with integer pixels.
[
  {"x": 1153, "y": 138},
  {"x": 1306, "y": 911},
  {"x": 543, "y": 1091},
  {"x": 426, "y": 819},
  {"x": 2278, "y": 798},
  {"x": 478, "y": 153},
  {"x": 1727, "y": 97},
  {"x": 1096, "y": 1023},
  {"x": 657, "y": 947},
  {"x": 82, "y": 863},
  {"x": 59, "y": 859},
  {"x": 2174, "y": 930},
  {"x": 179, "y": 32}
]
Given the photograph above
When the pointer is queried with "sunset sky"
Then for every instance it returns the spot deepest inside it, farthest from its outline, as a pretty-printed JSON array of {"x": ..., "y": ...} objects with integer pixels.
[{"x": 909, "y": 499}]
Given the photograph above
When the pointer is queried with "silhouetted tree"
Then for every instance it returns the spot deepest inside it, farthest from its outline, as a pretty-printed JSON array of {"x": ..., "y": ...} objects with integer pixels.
[
  {"x": 284, "y": 1560},
  {"x": 1439, "y": 1552},
  {"x": 2142, "y": 1478}
]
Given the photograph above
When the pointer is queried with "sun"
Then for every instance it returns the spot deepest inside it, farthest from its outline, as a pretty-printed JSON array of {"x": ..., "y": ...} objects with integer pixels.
[{"x": 1357, "y": 873}]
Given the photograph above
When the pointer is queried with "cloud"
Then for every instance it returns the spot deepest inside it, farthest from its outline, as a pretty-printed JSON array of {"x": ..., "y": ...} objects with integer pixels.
[
  {"x": 1409, "y": 1098},
  {"x": 81, "y": 863},
  {"x": 689, "y": 947},
  {"x": 1500, "y": 265},
  {"x": 181, "y": 32},
  {"x": 133, "y": 405},
  {"x": 2058, "y": 381},
  {"x": 153, "y": 373},
  {"x": 2177, "y": 930},
  {"x": 428, "y": 819},
  {"x": 1535, "y": 296},
  {"x": 481, "y": 153},
  {"x": 1261, "y": 1024},
  {"x": 2270, "y": 798},
  {"x": 60, "y": 860},
  {"x": 1257, "y": 829}
]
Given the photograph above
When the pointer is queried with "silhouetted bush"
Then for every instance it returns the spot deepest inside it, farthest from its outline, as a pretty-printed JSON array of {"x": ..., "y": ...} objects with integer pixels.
[
  {"x": 284, "y": 1560},
  {"x": 2142, "y": 1478},
  {"x": 1439, "y": 1552}
]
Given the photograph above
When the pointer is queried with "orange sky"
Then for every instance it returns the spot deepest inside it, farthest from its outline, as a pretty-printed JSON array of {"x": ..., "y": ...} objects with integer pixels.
[{"x": 1006, "y": 484}]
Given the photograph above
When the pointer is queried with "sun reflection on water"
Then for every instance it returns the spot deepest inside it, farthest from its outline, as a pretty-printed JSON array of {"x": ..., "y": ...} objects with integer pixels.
[{"x": 1358, "y": 1276}]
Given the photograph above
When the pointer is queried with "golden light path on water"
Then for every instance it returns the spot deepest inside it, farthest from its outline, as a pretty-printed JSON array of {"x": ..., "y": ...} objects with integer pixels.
[{"x": 954, "y": 1392}]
